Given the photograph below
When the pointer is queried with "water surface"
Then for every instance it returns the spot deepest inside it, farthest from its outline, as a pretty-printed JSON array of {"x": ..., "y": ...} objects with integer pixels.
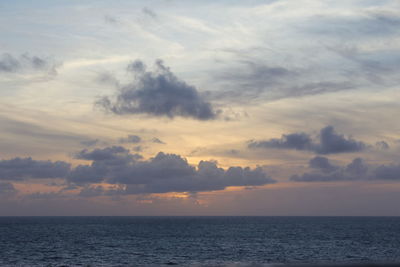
[{"x": 187, "y": 241}]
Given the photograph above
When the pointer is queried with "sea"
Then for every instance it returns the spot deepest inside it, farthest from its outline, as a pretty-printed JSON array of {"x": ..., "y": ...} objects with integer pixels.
[{"x": 199, "y": 241}]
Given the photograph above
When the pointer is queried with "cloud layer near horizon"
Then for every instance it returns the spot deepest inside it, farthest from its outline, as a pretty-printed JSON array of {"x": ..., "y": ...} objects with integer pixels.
[
  {"x": 330, "y": 142},
  {"x": 117, "y": 166},
  {"x": 357, "y": 170}
]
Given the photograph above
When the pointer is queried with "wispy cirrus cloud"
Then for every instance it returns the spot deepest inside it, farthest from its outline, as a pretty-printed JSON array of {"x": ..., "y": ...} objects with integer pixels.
[{"x": 25, "y": 62}]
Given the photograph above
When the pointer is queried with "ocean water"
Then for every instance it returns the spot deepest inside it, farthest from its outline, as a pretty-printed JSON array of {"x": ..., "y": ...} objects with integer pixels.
[{"x": 197, "y": 241}]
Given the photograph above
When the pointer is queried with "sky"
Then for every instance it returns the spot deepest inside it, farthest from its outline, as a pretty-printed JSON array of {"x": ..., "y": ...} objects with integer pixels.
[{"x": 168, "y": 107}]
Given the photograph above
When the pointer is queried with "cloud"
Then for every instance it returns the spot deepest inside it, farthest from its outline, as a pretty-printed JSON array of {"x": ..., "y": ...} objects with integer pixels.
[
  {"x": 7, "y": 188},
  {"x": 330, "y": 142},
  {"x": 268, "y": 72},
  {"x": 250, "y": 79},
  {"x": 107, "y": 78},
  {"x": 254, "y": 80},
  {"x": 147, "y": 11},
  {"x": 161, "y": 174},
  {"x": 137, "y": 148},
  {"x": 298, "y": 141},
  {"x": 322, "y": 164},
  {"x": 158, "y": 93},
  {"x": 29, "y": 130},
  {"x": 110, "y": 20},
  {"x": 382, "y": 145},
  {"x": 131, "y": 139},
  {"x": 25, "y": 168},
  {"x": 388, "y": 172},
  {"x": 8, "y": 63},
  {"x": 256, "y": 75},
  {"x": 171, "y": 173},
  {"x": 110, "y": 160},
  {"x": 324, "y": 171},
  {"x": 90, "y": 142},
  {"x": 315, "y": 88},
  {"x": 157, "y": 141},
  {"x": 108, "y": 153},
  {"x": 365, "y": 24},
  {"x": 376, "y": 67},
  {"x": 25, "y": 62}
]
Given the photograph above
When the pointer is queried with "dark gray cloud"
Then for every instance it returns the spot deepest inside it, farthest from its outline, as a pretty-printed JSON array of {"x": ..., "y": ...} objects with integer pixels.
[
  {"x": 157, "y": 141},
  {"x": 320, "y": 177},
  {"x": 131, "y": 139},
  {"x": 136, "y": 66},
  {"x": 388, "y": 172},
  {"x": 298, "y": 141},
  {"x": 324, "y": 171},
  {"x": 158, "y": 93},
  {"x": 107, "y": 78},
  {"x": 25, "y": 168},
  {"x": 382, "y": 145},
  {"x": 330, "y": 142},
  {"x": 137, "y": 148},
  {"x": 357, "y": 168},
  {"x": 322, "y": 164},
  {"x": 171, "y": 173},
  {"x": 161, "y": 174},
  {"x": 10, "y": 63},
  {"x": 7, "y": 188},
  {"x": 108, "y": 153},
  {"x": 106, "y": 161}
]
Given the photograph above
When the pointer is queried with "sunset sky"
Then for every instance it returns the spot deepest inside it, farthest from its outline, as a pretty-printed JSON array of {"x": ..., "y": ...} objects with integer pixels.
[{"x": 275, "y": 107}]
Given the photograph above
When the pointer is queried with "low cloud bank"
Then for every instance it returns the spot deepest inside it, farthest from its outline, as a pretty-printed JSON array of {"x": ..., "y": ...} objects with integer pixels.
[
  {"x": 329, "y": 142},
  {"x": 131, "y": 174},
  {"x": 322, "y": 170}
]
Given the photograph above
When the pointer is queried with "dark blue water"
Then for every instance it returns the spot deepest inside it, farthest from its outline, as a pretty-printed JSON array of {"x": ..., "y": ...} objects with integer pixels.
[{"x": 187, "y": 241}]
